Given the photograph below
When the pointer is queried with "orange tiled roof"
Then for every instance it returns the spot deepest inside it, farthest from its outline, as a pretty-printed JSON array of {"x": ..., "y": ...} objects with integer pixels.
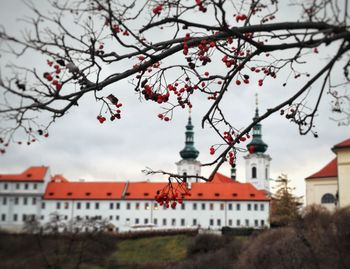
[
  {"x": 34, "y": 173},
  {"x": 330, "y": 170},
  {"x": 66, "y": 190},
  {"x": 221, "y": 188},
  {"x": 344, "y": 144}
]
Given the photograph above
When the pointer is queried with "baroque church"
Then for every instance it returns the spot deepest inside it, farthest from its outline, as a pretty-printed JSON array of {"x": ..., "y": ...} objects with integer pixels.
[{"x": 35, "y": 194}]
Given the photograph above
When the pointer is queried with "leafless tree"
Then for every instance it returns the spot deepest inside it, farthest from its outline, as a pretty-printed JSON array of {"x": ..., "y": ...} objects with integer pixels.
[{"x": 164, "y": 49}]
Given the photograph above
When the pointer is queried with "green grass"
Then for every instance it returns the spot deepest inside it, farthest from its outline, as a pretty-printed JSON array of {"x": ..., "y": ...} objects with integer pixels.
[{"x": 160, "y": 249}]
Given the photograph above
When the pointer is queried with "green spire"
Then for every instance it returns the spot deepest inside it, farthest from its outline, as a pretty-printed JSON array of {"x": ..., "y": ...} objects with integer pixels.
[
  {"x": 189, "y": 152},
  {"x": 257, "y": 145}
]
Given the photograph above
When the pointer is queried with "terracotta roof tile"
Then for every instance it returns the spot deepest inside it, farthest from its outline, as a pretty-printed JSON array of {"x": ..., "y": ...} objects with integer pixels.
[
  {"x": 330, "y": 170},
  {"x": 66, "y": 190},
  {"x": 34, "y": 173},
  {"x": 344, "y": 144}
]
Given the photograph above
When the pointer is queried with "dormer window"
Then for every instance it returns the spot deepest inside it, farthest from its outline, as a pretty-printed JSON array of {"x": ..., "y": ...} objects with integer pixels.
[
  {"x": 109, "y": 193},
  {"x": 200, "y": 194},
  {"x": 234, "y": 194},
  {"x": 87, "y": 193},
  {"x": 252, "y": 195},
  {"x": 217, "y": 194},
  {"x": 51, "y": 193},
  {"x": 145, "y": 193},
  {"x": 69, "y": 193}
]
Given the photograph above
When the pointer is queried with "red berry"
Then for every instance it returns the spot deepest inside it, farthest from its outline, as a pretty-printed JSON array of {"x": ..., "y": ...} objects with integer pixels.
[{"x": 238, "y": 82}]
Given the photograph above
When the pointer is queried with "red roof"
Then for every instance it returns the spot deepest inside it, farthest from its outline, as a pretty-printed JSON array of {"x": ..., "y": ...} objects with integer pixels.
[
  {"x": 344, "y": 144},
  {"x": 220, "y": 188},
  {"x": 66, "y": 190},
  {"x": 34, "y": 173},
  {"x": 330, "y": 170}
]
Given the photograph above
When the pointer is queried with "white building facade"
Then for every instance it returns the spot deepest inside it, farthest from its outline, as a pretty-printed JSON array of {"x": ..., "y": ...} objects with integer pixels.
[{"x": 128, "y": 206}]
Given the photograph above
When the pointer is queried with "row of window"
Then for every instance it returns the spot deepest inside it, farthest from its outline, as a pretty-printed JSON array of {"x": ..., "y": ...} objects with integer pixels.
[
  {"x": 203, "y": 206},
  {"x": 24, "y": 186},
  {"x": 164, "y": 222},
  {"x": 25, "y": 200}
]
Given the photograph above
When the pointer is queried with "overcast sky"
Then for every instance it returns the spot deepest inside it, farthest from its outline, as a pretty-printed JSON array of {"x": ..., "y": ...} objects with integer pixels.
[{"x": 79, "y": 147}]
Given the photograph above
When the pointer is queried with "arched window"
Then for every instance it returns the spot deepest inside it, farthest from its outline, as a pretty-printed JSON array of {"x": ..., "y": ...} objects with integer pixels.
[
  {"x": 253, "y": 172},
  {"x": 328, "y": 198}
]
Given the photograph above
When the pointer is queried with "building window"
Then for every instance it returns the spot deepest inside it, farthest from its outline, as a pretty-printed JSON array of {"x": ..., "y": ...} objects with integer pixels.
[
  {"x": 249, "y": 207},
  {"x": 17, "y": 186},
  {"x": 262, "y": 223},
  {"x": 137, "y": 221},
  {"x": 97, "y": 205},
  {"x": 266, "y": 172},
  {"x": 26, "y": 186},
  {"x": 262, "y": 207},
  {"x": 256, "y": 223},
  {"x": 66, "y": 205},
  {"x": 145, "y": 221},
  {"x": 3, "y": 217},
  {"x": 116, "y": 217},
  {"x": 58, "y": 205},
  {"x": 194, "y": 206},
  {"x": 247, "y": 222},
  {"x": 328, "y": 198},
  {"x": 111, "y": 206},
  {"x": 256, "y": 207},
  {"x": 34, "y": 201},
  {"x": 183, "y": 206},
  {"x": 218, "y": 222},
  {"x": 238, "y": 222},
  {"x": 194, "y": 222},
  {"x": 182, "y": 222},
  {"x": 230, "y": 222},
  {"x": 128, "y": 205},
  {"x": 146, "y": 206},
  {"x": 222, "y": 206},
  {"x": 117, "y": 205},
  {"x": 238, "y": 207},
  {"x": 253, "y": 172},
  {"x": 229, "y": 206},
  {"x": 211, "y": 222},
  {"x": 15, "y": 217},
  {"x": 110, "y": 217},
  {"x": 203, "y": 206},
  {"x": 25, "y": 200},
  {"x": 87, "y": 205},
  {"x": 42, "y": 205},
  {"x": 164, "y": 222},
  {"x": 211, "y": 206},
  {"x": 35, "y": 186},
  {"x": 173, "y": 222},
  {"x": 78, "y": 205},
  {"x": 137, "y": 206},
  {"x": 5, "y": 186},
  {"x": 24, "y": 217},
  {"x": 155, "y": 221},
  {"x": 4, "y": 201}
]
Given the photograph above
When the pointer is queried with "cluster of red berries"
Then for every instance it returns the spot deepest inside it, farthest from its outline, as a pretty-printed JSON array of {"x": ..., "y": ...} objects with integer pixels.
[
  {"x": 228, "y": 62},
  {"x": 101, "y": 119},
  {"x": 241, "y": 17},
  {"x": 149, "y": 94},
  {"x": 170, "y": 197},
  {"x": 117, "y": 29},
  {"x": 163, "y": 117},
  {"x": 200, "y": 6},
  {"x": 50, "y": 76},
  {"x": 158, "y": 9},
  {"x": 231, "y": 158},
  {"x": 186, "y": 38},
  {"x": 228, "y": 137}
]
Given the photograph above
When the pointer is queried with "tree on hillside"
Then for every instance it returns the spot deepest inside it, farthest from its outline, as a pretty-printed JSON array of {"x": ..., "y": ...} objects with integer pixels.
[
  {"x": 285, "y": 206},
  {"x": 170, "y": 52}
]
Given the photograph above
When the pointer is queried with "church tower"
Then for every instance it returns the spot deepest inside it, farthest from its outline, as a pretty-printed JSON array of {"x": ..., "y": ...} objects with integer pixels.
[
  {"x": 257, "y": 162},
  {"x": 189, "y": 166}
]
